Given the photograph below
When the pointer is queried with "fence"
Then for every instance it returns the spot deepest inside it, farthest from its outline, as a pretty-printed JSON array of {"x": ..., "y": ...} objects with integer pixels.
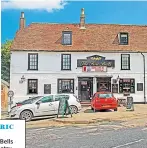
[{"x": 4, "y": 98}]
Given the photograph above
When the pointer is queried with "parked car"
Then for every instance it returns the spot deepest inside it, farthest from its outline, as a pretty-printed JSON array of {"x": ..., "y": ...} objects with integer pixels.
[
  {"x": 104, "y": 101},
  {"x": 43, "y": 106}
]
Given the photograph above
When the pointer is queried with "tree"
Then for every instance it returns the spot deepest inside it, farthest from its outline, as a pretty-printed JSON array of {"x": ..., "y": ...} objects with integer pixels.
[{"x": 5, "y": 60}]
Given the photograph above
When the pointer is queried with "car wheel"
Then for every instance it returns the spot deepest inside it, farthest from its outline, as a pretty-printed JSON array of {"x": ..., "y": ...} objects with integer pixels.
[
  {"x": 73, "y": 109},
  {"x": 115, "y": 109},
  {"x": 26, "y": 115}
]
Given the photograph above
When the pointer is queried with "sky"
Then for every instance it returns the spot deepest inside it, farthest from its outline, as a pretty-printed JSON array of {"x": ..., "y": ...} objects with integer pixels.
[{"x": 61, "y": 11}]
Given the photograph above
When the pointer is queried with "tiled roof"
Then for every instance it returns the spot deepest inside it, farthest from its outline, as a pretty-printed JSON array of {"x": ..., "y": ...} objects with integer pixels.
[{"x": 96, "y": 37}]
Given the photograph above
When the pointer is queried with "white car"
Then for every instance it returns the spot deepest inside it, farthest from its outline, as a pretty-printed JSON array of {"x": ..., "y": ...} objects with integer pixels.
[{"x": 43, "y": 106}]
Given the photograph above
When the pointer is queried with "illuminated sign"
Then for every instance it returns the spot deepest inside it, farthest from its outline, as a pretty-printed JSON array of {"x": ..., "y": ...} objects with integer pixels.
[{"x": 95, "y": 60}]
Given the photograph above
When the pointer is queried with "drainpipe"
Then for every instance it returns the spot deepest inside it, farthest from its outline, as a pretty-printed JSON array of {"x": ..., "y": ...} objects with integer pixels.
[{"x": 144, "y": 77}]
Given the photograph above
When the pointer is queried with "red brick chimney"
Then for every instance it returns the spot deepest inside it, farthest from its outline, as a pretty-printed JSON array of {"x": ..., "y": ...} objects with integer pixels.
[
  {"x": 82, "y": 19},
  {"x": 22, "y": 21}
]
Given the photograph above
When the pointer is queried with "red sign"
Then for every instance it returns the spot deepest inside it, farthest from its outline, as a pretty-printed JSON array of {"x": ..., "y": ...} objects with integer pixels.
[
  {"x": 84, "y": 82},
  {"x": 94, "y": 69}
]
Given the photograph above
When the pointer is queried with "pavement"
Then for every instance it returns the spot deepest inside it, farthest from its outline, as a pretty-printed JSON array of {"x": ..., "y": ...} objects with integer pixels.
[
  {"x": 132, "y": 118},
  {"x": 102, "y": 136},
  {"x": 135, "y": 118}
]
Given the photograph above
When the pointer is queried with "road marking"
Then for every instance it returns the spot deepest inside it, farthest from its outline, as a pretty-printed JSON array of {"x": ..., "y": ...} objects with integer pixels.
[
  {"x": 27, "y": 138},
  {"x": 88, "y": 131},
  {"x": 112, "y": 126},
  {"x": 49, "y": 129},
  {"x": 94, "y": 134},
  {"x": 61, "y": 127},
  {"x": 144, "y": 129},
  {"x": 128, "y": 143},
  {"x": 38, "y": 129}
]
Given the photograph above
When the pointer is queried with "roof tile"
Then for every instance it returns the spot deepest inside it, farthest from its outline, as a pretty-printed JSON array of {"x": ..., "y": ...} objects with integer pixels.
[{"x": 96, "y": 37}]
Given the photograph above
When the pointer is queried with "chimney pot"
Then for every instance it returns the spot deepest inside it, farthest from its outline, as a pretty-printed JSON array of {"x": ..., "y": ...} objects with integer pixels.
[
  {"x": 82, "y": 11},
  {"x": 82, "y": 19},
  {"x": 22, "y": 14}
]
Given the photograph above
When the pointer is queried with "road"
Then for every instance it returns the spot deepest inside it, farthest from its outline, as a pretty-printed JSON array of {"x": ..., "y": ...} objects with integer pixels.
[{"x": 104, "y": 136}]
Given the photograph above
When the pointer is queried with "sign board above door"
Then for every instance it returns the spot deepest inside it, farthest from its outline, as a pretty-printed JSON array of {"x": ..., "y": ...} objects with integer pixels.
[
  {"x": 95, "y": 60},
  {"x": 94, "y": 69}
]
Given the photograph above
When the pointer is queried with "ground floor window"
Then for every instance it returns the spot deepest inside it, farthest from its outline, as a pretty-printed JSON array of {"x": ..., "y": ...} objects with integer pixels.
[
  {"x": 127, "y": 85},
  {"x": 65, "y": 85},
  {"x": 32, "y": 86}
]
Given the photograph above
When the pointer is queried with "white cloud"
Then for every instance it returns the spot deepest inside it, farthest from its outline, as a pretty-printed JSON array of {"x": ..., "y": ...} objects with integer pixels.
[{"x": 48, "y": 5}]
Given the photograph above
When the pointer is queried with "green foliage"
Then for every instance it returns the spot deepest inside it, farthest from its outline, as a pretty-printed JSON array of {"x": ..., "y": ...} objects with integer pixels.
[{"x": 5, "y": 60}]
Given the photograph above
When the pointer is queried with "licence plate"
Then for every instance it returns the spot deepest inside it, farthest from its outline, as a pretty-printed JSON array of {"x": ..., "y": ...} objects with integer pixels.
[{"x": 106, "y": 105}]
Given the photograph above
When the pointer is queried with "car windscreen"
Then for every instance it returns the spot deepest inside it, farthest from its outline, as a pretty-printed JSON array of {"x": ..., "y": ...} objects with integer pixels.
[
  {"x": 105, "y": 96},
  {"x": 30, "y": 100}
]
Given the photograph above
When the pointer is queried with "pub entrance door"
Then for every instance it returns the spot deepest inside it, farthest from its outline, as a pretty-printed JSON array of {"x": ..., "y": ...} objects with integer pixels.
[{"x": 85, "y": 88}]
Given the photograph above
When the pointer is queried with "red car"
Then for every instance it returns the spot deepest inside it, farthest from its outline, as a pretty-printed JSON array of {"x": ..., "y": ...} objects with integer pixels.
[{"x": 103, "y": 101}]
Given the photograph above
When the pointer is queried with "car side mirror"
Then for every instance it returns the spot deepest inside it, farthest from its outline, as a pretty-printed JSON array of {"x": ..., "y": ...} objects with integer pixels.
[{"x": 38, "y": 102}]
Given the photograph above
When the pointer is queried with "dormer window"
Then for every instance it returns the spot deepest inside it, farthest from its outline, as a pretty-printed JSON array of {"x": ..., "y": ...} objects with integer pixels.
[
  {"x": 67, "y": 38},
  {"x": 123, "y": 38}
]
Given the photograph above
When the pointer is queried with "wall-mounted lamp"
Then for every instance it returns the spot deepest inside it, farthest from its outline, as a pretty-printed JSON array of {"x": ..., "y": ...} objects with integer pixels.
[
  {"x": 118, "y": 78},
  {"x": 22, "y": 79}
]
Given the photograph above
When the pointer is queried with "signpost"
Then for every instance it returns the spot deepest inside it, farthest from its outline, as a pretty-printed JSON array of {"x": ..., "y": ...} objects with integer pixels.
[
  {"x": 10, "y": 95},
  {"x": 64, "y": 107},
  {"x": 130, "y": 104}
]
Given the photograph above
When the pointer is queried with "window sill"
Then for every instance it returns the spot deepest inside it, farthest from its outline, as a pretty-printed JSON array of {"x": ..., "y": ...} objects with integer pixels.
[
  {"x": 65, "y": 69},
  {"x": 129, "y": 93},
  {"x": 67, "y": 44},
  {"x": 125, "y": 69},
  {"x": 123, "y": 44},
  {"x": 32, "y": 94},
  {"x": 65, "y": 93},
  {"x": 32, "y": 69}
]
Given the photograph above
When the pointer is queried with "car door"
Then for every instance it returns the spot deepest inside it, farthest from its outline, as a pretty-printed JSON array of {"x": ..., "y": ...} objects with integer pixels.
[
  {"x": 45, "y": 106},
  {"x": 57, "y": 100}
]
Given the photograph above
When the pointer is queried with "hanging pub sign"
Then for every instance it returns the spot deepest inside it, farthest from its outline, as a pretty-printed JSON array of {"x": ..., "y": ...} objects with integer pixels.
[{"x": 95, "y": 60}]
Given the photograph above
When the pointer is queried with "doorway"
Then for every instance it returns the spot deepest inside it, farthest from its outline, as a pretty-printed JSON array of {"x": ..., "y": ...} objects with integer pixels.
[
  {"x": 85, "y": 88},
  {"x": 104, "y": 84}
]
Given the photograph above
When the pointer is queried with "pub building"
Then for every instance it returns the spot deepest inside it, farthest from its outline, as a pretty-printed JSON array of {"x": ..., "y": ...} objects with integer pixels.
[{"x": 81, "y": 59}]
